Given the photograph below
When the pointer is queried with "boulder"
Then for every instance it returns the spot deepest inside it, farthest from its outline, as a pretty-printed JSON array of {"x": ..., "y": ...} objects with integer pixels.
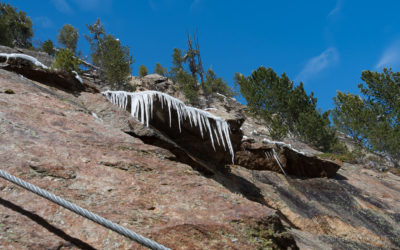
[
  {"x": 158, "y": 83},
  {"x": 260, "y": 156}
]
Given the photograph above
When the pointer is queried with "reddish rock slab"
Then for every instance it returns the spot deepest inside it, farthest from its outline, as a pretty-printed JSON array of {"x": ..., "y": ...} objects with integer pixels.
[{"x": 52, "y": 140}]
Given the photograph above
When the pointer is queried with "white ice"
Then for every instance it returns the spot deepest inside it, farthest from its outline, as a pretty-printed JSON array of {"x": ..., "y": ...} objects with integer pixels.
[
  {"x": 207, "y": 109},
  {"x": 26, "y": 57},
  {"x": 77, "y": 77},
  {"x": 282, "y": 144},
  {"x": 142, "y": 109}
]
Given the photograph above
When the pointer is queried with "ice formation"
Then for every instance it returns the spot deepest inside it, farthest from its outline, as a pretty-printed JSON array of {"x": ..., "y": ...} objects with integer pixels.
[
  {"x": 222, "y": 96},
  {"x": 95, "y": 115},
  {"x": 26, "y": 57},
  {"x": 208, "y": 109},
  {"x": 142, "y": 109},
  {"x": 77, "y": 77},
  {"x": 282, "y": 144}
]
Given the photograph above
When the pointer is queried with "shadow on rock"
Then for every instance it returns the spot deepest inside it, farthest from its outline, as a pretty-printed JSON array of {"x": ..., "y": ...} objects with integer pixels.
[
  {"x": 39, "y": 220},
  {"x": 318, "y": 197}
]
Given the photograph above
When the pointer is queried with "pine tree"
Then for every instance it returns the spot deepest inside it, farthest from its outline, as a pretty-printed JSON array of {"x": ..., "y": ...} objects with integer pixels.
[
  {"x": 96, "y": 39},
  {"x": 143, "y": 71},
  {"x": 116, "y": 60},
  {"x": 66, "y": 60},
  {"x": 286, "y": 108},
  {"x": 177, "y": 63},
  {"x": 374, "y": 118},
  {"x": 351, "y": 116},
  {"x": 68, "y": 36},
  {"x": 159, "y": 69},
  {"x": 15, "y": 27},
  {"x": 107, "y": 52},
  {"x": 215, "y": 84},
  {"x": 48, "y": 47}
]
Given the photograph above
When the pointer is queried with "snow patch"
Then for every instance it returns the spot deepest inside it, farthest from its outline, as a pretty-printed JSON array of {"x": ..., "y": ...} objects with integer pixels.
[
  {"x": 142, "y": 110},
  {"x": 77, "y": 77},
  {"x": 23, "y": 56}
]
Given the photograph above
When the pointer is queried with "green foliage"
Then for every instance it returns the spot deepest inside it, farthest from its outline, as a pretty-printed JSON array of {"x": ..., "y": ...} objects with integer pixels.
[
  {"x": 315, "y": 129},
  {"x": 48, "y": 47},
  {"x": 15, "y": 27},
  {"x": 9, "y": 91},
  {"x": 188, "y": 85},
  {"x": 117, "y": 61},
  {"x": 277, "y": 129},
  {"x": 66, "y": 60},
  {"x": 350, "y": 157},
  {"x": 177, "y": 63},
  {"x": 351, "y": 116},
  {"x": 143, "y": 71},
  {"x": 96, "y": 38},
  {"x": 113, "y": 59},
  {"x": 373, "y": 120},
  {"x": 286, "y": 108},
  {"x": 68, "y": 36},
  {"x": 159, "y": 69},
  {"x": 214, "y": 84}
]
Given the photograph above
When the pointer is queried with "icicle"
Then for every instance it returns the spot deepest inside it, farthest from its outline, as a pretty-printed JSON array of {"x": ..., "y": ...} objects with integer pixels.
[
  {"x": 216, "y": 136},
  {"x": 142, "y": 105}
]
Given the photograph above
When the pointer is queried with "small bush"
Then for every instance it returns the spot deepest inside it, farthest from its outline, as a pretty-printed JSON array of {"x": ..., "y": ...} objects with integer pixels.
[
  {"x": 66, "y": 60},
  {"x": 143, "y": 71},
  {"x": 159, "y": 69},
  {"x": 214, "y": 84},
  {"x": 48, "y": 47},
  {"x": 344, "y": 155}
]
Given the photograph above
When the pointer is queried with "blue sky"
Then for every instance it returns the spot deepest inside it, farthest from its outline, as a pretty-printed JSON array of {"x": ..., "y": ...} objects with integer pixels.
[{"x": 325, "y": 44}]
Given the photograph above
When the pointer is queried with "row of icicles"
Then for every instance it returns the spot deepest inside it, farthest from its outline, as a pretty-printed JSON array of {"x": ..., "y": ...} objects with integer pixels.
[{"x": 142, "y": 110}]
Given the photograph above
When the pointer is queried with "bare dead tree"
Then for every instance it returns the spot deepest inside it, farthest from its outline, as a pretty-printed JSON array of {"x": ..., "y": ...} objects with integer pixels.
[
  {"x": 193, "y": 57},
  {"x": 200, "y": 69}
]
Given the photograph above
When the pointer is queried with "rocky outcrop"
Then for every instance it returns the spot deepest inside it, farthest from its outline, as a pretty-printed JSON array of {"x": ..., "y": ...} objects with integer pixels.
[
  {"x": 42, "y": 57},
  {"x": 191, "y": 139},
  {"x": 260, "y": 156},
  {"x": 33, "y": 69}
]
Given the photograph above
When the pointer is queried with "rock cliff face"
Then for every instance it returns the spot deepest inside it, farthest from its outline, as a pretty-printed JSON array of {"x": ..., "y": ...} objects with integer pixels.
[
  {"x": 50, "y": 138},
  {"x": 79, "y": 146}
]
